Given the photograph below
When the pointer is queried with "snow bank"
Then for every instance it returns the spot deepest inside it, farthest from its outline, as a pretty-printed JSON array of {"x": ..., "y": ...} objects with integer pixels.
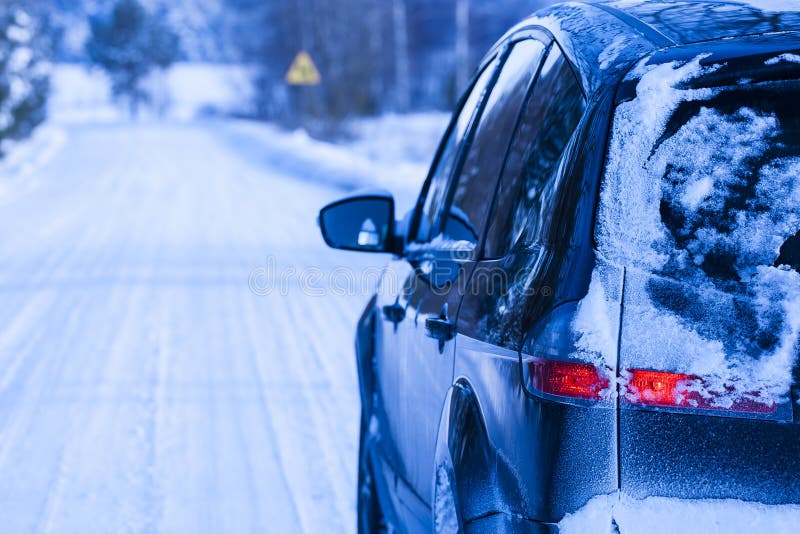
[
  {"x": 24, "y": 158},
  {"x": 78, "y": 93},
  {"x": 395, "y": 138},
  {"x": 392, "y": 152},
  {"x": 660, "y": 515},
  {"x": 196, "y": 88},
  {"x": 81, "y": 93}
]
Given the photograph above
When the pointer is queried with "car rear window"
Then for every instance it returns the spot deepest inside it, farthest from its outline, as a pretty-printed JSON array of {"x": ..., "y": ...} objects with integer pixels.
[{"x": 700, "y": 203}]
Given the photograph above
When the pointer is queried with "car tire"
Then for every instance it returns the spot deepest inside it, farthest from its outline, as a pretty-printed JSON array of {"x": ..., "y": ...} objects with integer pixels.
[{"x": 369, "y": 514}]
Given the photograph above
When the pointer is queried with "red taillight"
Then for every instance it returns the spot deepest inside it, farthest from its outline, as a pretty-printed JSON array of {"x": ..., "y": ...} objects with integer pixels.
[
  {"x": 568, "y": 379},
  {"x": 655, "y": 388},
  {"x": 577, "y": 380},
  {"x": 676, "y": 390}
]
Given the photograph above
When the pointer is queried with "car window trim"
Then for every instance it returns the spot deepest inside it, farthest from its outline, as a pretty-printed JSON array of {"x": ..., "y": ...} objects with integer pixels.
[
  {"x": 501, "y": 53},
  {"x": 475, "y": 120},
  {"x": 498, "y": 51},
  {"x": 459, "y": 108},
  {"x": 481, "y": 248}
]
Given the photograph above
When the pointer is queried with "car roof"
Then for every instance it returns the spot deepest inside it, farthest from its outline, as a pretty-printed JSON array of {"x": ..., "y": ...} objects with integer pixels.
[
  {"x": 603, "y": 39},
  {"x": 692, "y": 21}
]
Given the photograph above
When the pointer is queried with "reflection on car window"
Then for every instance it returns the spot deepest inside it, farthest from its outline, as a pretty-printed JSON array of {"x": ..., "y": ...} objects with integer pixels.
[
  {"x": 474, "y": 188},
  {"x": 435, "y": 194},
  {"x": 530, "y": 178}
]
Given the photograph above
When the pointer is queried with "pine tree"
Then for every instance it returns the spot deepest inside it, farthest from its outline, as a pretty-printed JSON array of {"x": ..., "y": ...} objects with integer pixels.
[
  {"x": 24, "y": 80},
  {"x": 129, "y": 44}
]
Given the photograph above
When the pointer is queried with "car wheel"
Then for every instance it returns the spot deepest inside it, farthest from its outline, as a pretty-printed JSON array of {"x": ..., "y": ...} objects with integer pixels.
[{"x": 370, "y": 517}]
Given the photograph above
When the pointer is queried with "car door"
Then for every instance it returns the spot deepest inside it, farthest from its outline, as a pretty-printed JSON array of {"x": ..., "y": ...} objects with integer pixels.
[{"x": 414, "y": 363}]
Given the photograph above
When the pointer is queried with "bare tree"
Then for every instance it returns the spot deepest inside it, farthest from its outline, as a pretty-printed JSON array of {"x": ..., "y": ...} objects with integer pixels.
[
  {"x": 401, "y": 61},
  {"x": 463, "y": 65}
]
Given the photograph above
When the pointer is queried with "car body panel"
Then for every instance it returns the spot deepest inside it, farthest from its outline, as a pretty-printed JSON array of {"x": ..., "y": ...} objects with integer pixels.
[
  {"x": 413, "y": 374},
  {"x": 703, "y": 457},
  {"x": 549, "y": 458}
]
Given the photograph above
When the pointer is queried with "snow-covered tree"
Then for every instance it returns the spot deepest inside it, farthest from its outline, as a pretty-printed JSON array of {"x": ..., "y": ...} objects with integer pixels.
[
  {"x": 129, "y": 43},
  {"x": 24, "y": 80}
]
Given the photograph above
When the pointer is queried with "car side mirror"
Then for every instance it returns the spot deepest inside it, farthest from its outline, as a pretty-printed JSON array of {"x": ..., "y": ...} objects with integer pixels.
[{"x": 362, "y": 222}]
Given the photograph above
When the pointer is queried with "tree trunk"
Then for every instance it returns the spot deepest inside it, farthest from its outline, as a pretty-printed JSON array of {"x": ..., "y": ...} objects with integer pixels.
[
  {"x": 462, "y": 45},
  {"x": 401, "y": 63}
]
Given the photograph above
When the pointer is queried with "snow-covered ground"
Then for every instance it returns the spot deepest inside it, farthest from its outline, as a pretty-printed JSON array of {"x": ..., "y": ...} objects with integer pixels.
[{"x": 164, "y": 364}]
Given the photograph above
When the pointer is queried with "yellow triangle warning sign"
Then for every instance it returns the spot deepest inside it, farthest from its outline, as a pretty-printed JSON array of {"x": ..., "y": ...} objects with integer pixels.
[{"x": 303, "y": 71}]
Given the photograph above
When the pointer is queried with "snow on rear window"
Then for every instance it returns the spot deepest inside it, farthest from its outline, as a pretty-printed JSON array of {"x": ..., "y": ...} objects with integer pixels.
[{"x": 700, "y": 200}]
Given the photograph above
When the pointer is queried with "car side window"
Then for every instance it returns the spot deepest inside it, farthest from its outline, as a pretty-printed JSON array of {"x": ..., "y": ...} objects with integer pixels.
[
  {"x": 436, "y": 190},
  {"x": 527, "y": 189},
  {"x": 474, "y": 188}
]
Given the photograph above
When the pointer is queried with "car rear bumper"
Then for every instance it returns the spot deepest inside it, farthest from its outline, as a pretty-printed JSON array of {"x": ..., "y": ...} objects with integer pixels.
[{"x": 708, "y": 457}]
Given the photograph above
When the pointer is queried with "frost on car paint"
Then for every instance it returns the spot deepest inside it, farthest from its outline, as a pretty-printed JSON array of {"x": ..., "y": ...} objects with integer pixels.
[
  {"x": 700, "y": 200},
  {"x": 611, "y": 52},
  {"x": 774, "y": 6}
]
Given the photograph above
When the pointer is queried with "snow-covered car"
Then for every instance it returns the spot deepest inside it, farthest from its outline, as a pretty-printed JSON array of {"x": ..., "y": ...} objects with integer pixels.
[{"x": 591, "y": 319}]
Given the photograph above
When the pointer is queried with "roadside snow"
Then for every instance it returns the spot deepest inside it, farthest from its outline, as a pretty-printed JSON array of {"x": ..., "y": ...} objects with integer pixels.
[
  {"x": 22, "y": 159},
  {"x": 391, "y": 151},
  {"x": 81, "y": 93},
  {"x": 379, "y": 155}
]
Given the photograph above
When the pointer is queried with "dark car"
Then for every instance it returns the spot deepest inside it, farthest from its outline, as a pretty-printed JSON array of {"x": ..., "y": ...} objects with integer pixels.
[{"x": 595, "y": 304}]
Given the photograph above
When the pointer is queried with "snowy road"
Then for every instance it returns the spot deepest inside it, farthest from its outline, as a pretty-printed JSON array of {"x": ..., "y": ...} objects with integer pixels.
[{"x": 143, "y": 386}]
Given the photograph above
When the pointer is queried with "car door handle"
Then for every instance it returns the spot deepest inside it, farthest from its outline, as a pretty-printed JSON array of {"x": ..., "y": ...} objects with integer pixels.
[
  {"x": 394, "y": 313},
  {"x": 440, "y": 328}
]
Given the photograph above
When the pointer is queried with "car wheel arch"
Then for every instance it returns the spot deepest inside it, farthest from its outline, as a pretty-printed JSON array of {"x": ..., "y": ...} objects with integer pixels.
[{"x": 480, "y": 478}]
